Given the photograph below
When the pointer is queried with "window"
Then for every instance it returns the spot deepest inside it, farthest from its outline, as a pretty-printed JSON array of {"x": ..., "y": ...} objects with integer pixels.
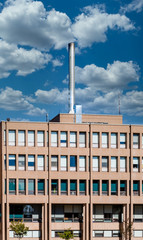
[
  {"x": 21, "y": 138},
  {"x": 22, "y": 186},
  {"x": 11, "y": 138},
  {"x": 135, "y": 164},
  {"x": 5, "y": 186},
  {"x": 122, "y": 164},
  {"x": 104, "y": 187},
  {"x": 47, "y": 162},
  {"x": 104, "y": 164},
  {"x": 47, "y": 139},
  {"x": 21, "y": 162},
  {"x": 95, "y": 163},
  {"x": 40, "y": 138},
  {"x": 63, "y": 139},
  {"x": 113, "y": 140},
  {"x": 73, "y": 163},
  {"x": 123, "y": 188},
  {"x": 82, "y": 187},
  {"x": 137, "y": 213},
  {"x": 30, "y": 234},
  {"x": 113, "y": 187},
  {"x": 41, "y": 186},
  {"x": 108, "y": 234},
  {"x": 73, "y": 139},
  {"x": 95, "y": 140},
  {"x": 135, "y": 140},
  {"x": 82, "y": 163},
  {"x": 116, "y": 233},
  {"x": 31, "y": 186},
  {"x": 82, "y": 139},
  {"x": 142, "y": 140},
  {"x": 63, "y": 163},
  {"x": 98, "y": 233},
  {"x": 54, "y": 163},
  {"x": 31, "y": 162},
  {"x": 47, "y": 186},
  {"x": 12, "y": 162},
  {"x": 31, "y": 138},
  {"x": 4, "y": 161},
  {"x": 113, "y": 164},
  {"x": 54, "y": 187},
  {"x": 73, "y": 187},
  {"x": 12, "y": 186},
  {"x": 135, "y": 188},
  {"x": 40, "y": 162},
  {"x": 104, "y": 140},
  {"x": 95, "y": 187},
  {"x": 137, "y": 234},
  {"x": 63, "y": 187},
  {"x": 4, "y": 137},
  {"x": 123, "y": 140},
  {"x": 54, "y": 139}
]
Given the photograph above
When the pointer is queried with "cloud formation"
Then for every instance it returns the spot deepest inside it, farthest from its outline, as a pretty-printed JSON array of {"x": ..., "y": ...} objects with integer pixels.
[
  {"x": 21, "y": 60},
  {"x": 116, "y": 76},
  {"x": 27, "y": 23},
  {"x": 24, "y": 43},
  {"x": 14, "y": 100},
  {"x": 135, "y": 5},
  {"x": 93, "y": 23},
  {"x": 52, "y": 96},
  {"x": 46, "y": 29}
]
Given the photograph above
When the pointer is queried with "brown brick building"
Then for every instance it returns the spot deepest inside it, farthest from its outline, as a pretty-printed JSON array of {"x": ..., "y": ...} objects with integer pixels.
[{"x": 61, "y": 174}]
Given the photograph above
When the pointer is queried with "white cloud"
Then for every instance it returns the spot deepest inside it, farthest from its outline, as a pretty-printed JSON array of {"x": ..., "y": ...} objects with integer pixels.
[
  {"x": 135, "y": 5},
  {"x": 52, "y": 96},
  {"x": 116, "y": 76},
  {"x": 14, "y": 100},
  {"x": 45, "y": 29},
  {"x": 57, "y": 63},
  {"x": 92, "y": 25},
  {"x": 27, "y": 22},
  {"x": 21, "y": 60},
  {"x": 131, "y": 103}
]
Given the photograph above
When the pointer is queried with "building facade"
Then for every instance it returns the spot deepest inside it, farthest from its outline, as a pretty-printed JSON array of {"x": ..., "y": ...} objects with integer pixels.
[{"x": 61, "y": 174}]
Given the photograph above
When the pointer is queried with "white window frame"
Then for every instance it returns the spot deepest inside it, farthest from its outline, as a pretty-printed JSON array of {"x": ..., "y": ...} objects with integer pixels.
[
  {"x": 54, "y": 162},
  {"x": 54, "y": 139},
  {"x": 31, "y": 138},
  {"x": 21, "y": 158},
  {"x": 114, "y": 140},
  {"x": 82, "y": 163},
  {"x": 63, "y": 163},
  {"x": 12, "y": 138},
  {"x": 73, "y": 139},
  {"x": 63, "y": 139},
  {"x": 114, "y": 164},
  {"x": 21, "y": 137},
  {"x": 136, "y": 140},
  {"x": 40, "y": 138},
  {"x": 82, "y": 139},
  {"x": 105, "y": 162},
  {"x": 95, "y": 164},
  {"x": 95, "y": 139},
  {"x": 104, "y": 140},
  {"x": 40, "y": 162},
  {"x": 123, "y": 164},
  {"x": 123, "y": 140}
]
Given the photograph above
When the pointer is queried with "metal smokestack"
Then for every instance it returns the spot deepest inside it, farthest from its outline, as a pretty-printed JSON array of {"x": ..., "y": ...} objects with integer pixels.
[{"x": 71, "y": 48}]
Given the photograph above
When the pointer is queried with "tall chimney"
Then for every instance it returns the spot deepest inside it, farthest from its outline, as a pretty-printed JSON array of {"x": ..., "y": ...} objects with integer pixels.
[{"x": 71, "y": 48}]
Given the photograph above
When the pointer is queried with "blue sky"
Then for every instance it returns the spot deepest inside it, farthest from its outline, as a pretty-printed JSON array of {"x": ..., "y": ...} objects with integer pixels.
[{"x": 34, "y": 36}]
